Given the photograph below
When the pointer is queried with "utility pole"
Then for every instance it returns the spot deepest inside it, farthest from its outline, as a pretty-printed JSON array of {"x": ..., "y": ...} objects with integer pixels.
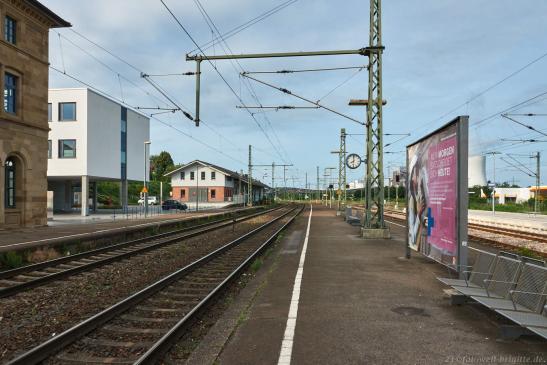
[
  {"x": 341, "y": 192},
  {"x": 373, "y": 224},
  {"x": 273, "y": 182},
  {"x": 250, "y": 181},
  {"x": 273, "y": 165},
  {"x": 494, "y": 153},
  {"x": 537, "y": 194},
  {"x": 240, "y": 188},
  {"x": 342, "y": 163},
  {"x": 306, "y": 185},
  {"x": 285, "y": 182},
  {"x": 318, "y": 187}
]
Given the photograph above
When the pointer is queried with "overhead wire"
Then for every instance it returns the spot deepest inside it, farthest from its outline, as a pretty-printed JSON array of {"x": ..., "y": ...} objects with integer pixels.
[
  {"x": 211, "y": 24},
  {"x": 306, "y": 70},
  {"x": 151, "y": 116},
  {"x": 219, "y": 73},
  {"x": 155, "y": 85},
  {"x": 342, "y": 83},
  {"x": 486, "y": 90},
  {"x": 288, "y": 92},
  {"x": 119, "y": 75},
  {"x": 244, "y": 26}
]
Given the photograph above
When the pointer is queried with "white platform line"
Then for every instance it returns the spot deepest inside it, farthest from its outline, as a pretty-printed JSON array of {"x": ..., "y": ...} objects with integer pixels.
[
  {"x": 288, "y": 337},
  {"x": 396, "y": 224}
]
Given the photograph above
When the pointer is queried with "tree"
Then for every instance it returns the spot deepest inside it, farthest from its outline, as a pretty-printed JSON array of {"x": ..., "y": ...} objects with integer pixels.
[{"x": 159, "y": 165}]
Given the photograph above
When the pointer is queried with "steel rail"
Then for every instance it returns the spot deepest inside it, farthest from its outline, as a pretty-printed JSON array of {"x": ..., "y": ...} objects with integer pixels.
[
  {"x": 490, "y": 241},
  {"x": 504, "y": 231},
  {"x": 44, "y": 264},
  {"x": 201, "y": 229},
  {"x": 71, "y": 335},
  {"x": 162, "y": 346}
]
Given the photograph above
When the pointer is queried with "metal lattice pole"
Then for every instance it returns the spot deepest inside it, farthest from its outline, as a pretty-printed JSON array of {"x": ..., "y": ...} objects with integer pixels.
[
  {"x": 250, "y": 181},
  {"x": 343, "y": 167},
  {"x": 537, "y": 194},
  {"x": 318, "y": 186},
  {"x": 273, "y": 182},
  {"x": 374, "y": 201}
]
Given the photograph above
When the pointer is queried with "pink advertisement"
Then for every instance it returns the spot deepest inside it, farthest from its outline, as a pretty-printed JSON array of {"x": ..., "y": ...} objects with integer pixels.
[
  {"x": 442, "y": 181},
  {"x": 432, "y": 211}
]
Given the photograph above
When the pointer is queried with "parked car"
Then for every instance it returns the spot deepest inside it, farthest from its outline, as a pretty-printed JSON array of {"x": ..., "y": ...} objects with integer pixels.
[
  {"x": 152, "y": 200},
  {"x": 173, "y": 204}
]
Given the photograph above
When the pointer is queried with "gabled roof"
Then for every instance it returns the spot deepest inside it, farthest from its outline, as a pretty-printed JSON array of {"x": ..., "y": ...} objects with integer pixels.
[{"x": 227, "y": 172}]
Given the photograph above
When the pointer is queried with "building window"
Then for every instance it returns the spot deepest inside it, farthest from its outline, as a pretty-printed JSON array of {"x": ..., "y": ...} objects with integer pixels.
[
  {"x": 49, "y": 113},
  {"x": 183, "y": 193},
  {"x": 203, "y": 175},
  {"x": 182, "y": 175},
  {"x": 123, "y": 144},
  {"x": 67, "y": 111},
  {"x": 213, "y": 193},
  {"x": 191, "y": 175},
  {"x": 49, "y": 149},
  {"x": 10, "y": 93},
  {"x": 10, "y": 30},
  {"x": 10, "y": 183},
  {"x": 213, "y": 175},
  {"x": 67, "y": 148}
]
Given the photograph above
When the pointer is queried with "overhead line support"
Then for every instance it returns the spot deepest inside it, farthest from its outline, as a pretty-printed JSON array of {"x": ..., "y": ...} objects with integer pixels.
[{"x": 366, "y": 51}]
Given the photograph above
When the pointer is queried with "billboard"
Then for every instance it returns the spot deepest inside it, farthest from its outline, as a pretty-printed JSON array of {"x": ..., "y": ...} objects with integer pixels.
[{"x": 437, "y": 194}]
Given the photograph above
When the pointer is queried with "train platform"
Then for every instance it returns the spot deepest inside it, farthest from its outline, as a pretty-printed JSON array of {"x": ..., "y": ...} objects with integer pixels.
[
  {"x": 327, "y": 296},
  {"x": 520, "y": 220},
  {"x": 71, "y": 226}
]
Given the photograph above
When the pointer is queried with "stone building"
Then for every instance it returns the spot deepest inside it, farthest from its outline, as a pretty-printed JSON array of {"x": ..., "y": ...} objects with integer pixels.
[{"x": 24, "y": 127}]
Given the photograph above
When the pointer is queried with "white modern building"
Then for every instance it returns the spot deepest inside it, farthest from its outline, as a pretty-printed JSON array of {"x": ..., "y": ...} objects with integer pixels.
[
  {"x": 212, "y": 185},
  {"x": 92, "y": 138}
]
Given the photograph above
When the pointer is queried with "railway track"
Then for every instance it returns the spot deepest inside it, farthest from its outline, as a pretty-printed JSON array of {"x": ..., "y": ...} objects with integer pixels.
[
  {"x": 510, "y": 232},
  {"x": 31, "y": 276},
  {"x": 143, "y": 327},
  {"x": 538, "y": 237},
  {"x": 492, "y": 241}
]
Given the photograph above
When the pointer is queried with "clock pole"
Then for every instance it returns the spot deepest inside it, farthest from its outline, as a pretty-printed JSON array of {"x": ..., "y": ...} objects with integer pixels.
[{"x": 342, "y": 172}]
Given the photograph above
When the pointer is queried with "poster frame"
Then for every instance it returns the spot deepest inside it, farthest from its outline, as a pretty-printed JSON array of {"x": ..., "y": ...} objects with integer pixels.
[{"x": 462, "y": 129}]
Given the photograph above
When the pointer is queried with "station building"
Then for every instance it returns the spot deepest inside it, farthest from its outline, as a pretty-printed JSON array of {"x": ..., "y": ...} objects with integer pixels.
[
  {"x": 92, "y": 138},
  {"x": 24, "y": 72},
  {"x": 212, "y": 184}
]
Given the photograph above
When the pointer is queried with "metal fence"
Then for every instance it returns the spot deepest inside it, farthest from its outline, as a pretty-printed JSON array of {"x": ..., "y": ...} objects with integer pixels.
[{"x": 139, "y": 212}]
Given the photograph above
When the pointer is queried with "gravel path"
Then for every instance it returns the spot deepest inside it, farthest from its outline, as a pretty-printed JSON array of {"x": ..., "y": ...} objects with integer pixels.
[{"x": 30, "y": 318}]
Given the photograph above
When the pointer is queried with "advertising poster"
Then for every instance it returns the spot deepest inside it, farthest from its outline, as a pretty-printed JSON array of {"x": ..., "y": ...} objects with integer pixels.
[{"x": 434, "y": 178}]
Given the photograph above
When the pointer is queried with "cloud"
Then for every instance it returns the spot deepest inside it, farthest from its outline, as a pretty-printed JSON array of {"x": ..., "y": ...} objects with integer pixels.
[{"x": 438, "y": 55}]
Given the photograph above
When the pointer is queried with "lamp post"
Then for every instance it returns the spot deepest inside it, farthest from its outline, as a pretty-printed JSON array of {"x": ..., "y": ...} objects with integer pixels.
[{"x": 146, "y": 147}]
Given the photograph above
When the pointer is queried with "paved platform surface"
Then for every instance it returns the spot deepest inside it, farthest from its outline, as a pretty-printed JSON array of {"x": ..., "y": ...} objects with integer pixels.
[
  {"x": 362, "y": 303},
  {"x": 72, "y": 225}
]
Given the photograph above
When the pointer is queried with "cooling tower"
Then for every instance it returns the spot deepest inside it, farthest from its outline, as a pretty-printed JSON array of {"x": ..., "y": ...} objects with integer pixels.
[{"x": 477, "y": 171}]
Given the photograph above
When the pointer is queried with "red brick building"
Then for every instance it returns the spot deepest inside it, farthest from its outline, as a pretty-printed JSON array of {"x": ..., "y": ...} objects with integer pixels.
[{"x": 212, "y": 184}]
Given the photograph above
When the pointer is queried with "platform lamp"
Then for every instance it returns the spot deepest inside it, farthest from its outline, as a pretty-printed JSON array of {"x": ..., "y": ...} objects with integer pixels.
[{"x": 145, "y": 188}]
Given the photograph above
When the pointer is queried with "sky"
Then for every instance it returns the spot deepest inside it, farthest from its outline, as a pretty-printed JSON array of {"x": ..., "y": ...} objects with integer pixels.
[{"x": 442, "y": 59}]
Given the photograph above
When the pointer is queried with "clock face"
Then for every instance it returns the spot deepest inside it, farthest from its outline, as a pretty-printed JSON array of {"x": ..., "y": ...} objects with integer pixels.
[{"x": 353, "y": 161}]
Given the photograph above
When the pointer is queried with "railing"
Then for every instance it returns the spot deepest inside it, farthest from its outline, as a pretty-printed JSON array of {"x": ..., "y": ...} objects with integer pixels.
[{"x": 139, "y": 212}]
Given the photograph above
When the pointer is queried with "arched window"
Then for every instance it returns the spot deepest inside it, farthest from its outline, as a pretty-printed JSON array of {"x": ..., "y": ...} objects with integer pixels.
[{"x": 10, "y": 183}]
